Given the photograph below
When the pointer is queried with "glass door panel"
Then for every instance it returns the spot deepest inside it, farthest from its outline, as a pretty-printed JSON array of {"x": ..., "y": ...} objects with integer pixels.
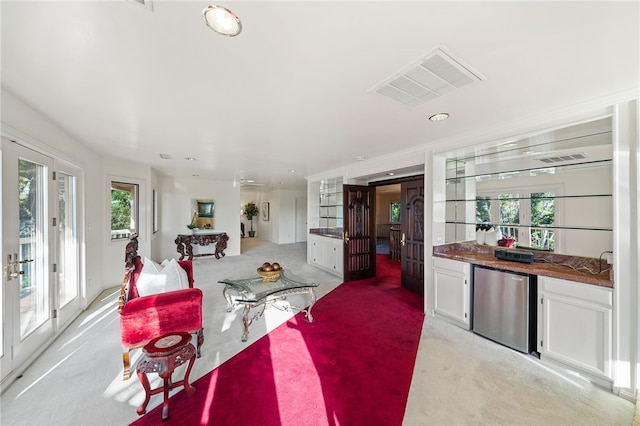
[
  {"x": 27, "y": 253},
  {"x": 32, "y": 255},
  {"x": 67, "y": 240}
]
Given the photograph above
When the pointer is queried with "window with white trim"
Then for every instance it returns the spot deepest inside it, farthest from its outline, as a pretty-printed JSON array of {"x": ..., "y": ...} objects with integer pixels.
[
  {"x": 528, "y": 216},
  {"x": 124, "y": 209}
]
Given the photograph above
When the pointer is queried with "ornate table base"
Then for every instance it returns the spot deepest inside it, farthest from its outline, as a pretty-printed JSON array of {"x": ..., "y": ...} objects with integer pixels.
[
  {"x": 185, "y": 242},
  {"x": 162, "y": 355},
  {"x": 253, "y": 292}
]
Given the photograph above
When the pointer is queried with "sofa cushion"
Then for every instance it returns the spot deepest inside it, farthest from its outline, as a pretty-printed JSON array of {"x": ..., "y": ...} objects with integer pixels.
[{"x": 159, "y": 278}]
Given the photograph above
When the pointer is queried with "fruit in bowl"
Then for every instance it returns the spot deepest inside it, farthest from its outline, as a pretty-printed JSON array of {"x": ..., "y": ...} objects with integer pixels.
[{"x": 270, "y": 272}]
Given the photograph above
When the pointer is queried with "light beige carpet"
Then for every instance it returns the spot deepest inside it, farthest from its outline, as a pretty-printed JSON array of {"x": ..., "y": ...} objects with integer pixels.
[{"x": 464, "y": 379}]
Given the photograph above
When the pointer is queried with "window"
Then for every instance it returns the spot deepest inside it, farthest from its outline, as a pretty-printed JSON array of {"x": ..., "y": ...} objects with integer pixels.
[
  {"x": 394, "y": 212},
  {"x": 526, "y": 216},
  {"x": 124, "y": 209}
]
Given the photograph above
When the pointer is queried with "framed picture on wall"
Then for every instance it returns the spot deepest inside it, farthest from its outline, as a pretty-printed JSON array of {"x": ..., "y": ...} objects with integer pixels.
[{"x": 265, "y": 211}]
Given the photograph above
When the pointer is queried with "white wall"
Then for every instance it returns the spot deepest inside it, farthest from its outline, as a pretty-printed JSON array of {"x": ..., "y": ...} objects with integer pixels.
[
  {"x": 176, "y": 195},
  {"x": 49, "y": 138}
]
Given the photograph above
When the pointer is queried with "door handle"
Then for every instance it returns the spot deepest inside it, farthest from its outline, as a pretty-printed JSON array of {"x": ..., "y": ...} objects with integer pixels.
[
  {"x": 404, "y": 239},
  {"x": 345, "y": 237},
  {"x": 13, "y": 264}
]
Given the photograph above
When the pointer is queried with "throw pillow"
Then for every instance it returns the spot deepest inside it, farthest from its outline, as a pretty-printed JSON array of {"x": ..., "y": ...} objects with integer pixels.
[
  {"x": 159, "y": 278},
  {"x": 493, "y": 236}
]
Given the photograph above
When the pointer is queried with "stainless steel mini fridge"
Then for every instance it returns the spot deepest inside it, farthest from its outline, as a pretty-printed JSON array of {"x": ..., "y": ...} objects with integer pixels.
[{"x": 504, "y": 307}]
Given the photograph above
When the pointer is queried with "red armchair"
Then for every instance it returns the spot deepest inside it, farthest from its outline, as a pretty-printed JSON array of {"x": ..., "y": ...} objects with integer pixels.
[{"x": 143, "y": 318}]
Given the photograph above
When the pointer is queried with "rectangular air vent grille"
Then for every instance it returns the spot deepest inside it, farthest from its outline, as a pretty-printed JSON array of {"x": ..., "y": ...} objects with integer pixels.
[
  {"x": 147, "y": 4},
  {"x": 430, "y": 77},
  {"x": 562, "y": 158}
]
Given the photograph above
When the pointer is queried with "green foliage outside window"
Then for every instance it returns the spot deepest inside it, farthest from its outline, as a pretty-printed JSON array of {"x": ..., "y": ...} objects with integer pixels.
[
  {"x": 542, "y": 214},
  {"x": 124, "y": 210},
  {"x": 509, "y": 208},
  {"x": 120, "y": 209},
  {"x": 395, "y": 212},
  {"x": 483, "y": 209}
]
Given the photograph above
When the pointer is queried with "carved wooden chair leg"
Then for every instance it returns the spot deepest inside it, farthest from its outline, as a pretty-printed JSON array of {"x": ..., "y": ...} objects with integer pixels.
[
  {"x": 200, "y": 336},
  {"x": 127, "y": 366}
]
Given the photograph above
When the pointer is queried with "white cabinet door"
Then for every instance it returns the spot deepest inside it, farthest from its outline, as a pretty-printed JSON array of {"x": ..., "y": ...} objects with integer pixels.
[
  {"x": 452, "y": 291},
  {"x": 575, "y": 326},
  {"x": 316, "y": 251},
  {"x": 333, "y": 256},
  {"x": 325, "y": 253}
]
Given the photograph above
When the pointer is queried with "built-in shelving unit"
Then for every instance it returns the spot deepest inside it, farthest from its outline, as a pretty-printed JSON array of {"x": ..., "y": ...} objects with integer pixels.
[
  {"x": 330, "y": 203},
  {"x": 577, "y": 176}
]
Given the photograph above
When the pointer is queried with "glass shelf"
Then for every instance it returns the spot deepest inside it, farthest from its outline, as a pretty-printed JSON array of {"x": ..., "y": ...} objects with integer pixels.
[
  {"x": 330, "y": 203},
  {"x": 556, "y": 197},
  {"x": 533, "y": 171},
  {"x": 524, "y": 225}
]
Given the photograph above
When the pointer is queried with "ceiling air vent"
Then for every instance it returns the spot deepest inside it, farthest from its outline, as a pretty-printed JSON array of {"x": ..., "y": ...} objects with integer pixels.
[
  {"x": 430, "y": 77},
  {"x": 147, "y": 4},
  {"x": 562, "y": 158}
]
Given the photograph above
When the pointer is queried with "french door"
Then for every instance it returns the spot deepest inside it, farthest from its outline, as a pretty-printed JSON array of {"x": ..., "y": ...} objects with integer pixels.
[
  {"x": 40, "y": 283},
  {"x": 412, "y": 250},
  {"x": 359, "y": 232}
]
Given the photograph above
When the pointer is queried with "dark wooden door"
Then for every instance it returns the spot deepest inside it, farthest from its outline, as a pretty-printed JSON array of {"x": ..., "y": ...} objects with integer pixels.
[
  {"x": 359, "y": 234},
  {"x": 412, "y": 250}
]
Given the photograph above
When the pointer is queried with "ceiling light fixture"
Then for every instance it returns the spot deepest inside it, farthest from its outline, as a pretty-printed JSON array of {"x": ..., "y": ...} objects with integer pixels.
[
  {"x": 222, "y": 20},
  {"x": 190, "y": 158},
  {"x": 439, "y": 116},
  {"x": 509, "y": 144}
]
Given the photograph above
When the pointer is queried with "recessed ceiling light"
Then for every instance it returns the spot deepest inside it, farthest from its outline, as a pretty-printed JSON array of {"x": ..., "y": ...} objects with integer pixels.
[
  {"x": 222, "y": 20},
  {"x": 281, "y": 182},
  {"x": 439, "y": 116},
  {"x": 390, "y": 174},
  {"x": 190, "y": 158},
  {"x": 509, "y": 144},
  {"x": 528, "y": 152},
  {"x": 250, "y": 181},
  {"x": 292, "y": 170}
]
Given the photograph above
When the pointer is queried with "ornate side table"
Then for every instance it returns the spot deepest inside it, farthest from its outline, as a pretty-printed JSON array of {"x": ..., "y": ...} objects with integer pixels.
[
  {"x": 254, "y": 292},
  {"x": 162, "y": 355},
  {"x": 185, "y": 243}
]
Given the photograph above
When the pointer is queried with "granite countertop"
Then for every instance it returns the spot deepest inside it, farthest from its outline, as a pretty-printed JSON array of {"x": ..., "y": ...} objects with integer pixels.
[
  {"x": 572, "y": 268},
  {"x": 327, "y": 232}
]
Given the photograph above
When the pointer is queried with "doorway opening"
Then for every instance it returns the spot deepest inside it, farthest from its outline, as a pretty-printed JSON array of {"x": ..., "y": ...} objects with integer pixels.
[{"x": 399, "y": 224}]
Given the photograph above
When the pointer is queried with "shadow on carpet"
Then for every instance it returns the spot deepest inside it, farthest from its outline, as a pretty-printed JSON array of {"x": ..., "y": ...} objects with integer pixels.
[{"x": 352, "y": 366}]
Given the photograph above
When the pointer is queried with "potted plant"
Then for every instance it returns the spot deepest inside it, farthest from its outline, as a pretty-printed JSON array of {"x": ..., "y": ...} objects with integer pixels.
[
  {"x": 251, "y": 211},
  {"x": 192, "y": 227}
]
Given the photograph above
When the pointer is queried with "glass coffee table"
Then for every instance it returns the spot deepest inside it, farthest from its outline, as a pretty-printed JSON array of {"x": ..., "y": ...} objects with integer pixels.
[{"x": 253, "y": 292}]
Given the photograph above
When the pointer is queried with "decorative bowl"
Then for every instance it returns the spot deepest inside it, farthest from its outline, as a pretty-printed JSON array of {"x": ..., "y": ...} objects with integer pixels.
[{"x": 269, "y": 276}]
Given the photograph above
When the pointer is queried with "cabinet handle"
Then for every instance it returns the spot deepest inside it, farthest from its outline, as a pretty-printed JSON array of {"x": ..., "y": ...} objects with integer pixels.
[{"x": 345, "y": 237}]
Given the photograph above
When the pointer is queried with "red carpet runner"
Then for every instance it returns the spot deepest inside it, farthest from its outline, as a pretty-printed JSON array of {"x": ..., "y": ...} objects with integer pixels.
[{"x": 351, "y": 366}]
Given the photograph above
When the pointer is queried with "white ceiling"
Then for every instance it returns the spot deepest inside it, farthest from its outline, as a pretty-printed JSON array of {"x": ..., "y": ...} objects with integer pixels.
[{"x": 293, "y": 90}]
